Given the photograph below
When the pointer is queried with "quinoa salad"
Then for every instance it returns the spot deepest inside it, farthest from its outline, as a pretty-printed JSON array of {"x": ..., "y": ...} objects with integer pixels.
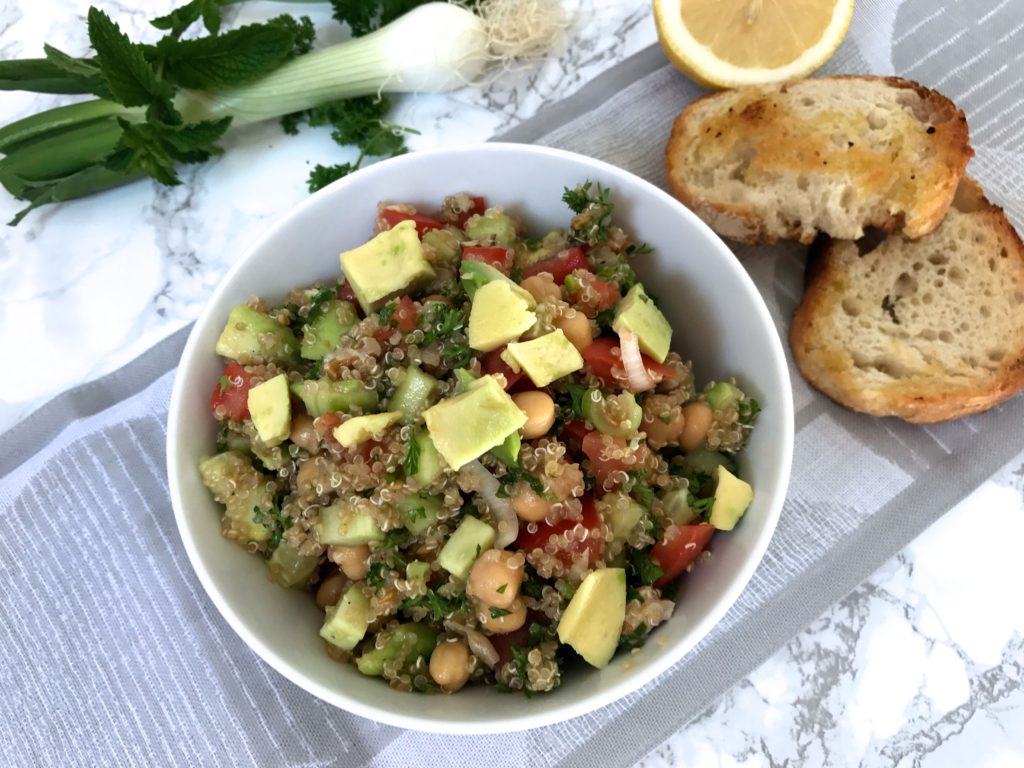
[{"x": 476, "y": 451}]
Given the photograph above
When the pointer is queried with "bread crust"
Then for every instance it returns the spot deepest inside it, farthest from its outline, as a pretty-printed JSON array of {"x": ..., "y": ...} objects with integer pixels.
[
  {"x": 742, "y": 222},
  {"x": 831, "y": 370}
]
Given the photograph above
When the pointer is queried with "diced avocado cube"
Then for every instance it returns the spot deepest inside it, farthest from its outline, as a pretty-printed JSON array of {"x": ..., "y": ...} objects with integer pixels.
[
  {"x": 348, "y": 526},
  {"x": 722, "y": 395},
  {"x": 415, "y": 392},
  {"x": 390, "y": 263},
  {"x": 638, "y": 314},
  {"x": 596, "y": 408},
  {"x": 347, "y": 621},
  {"x": 440, "y": 246},
  {"x": 508, "y": 452},
  {"x": 592, "y": 622},
  {"x": 471, "y": 538},
  {"x": 271, "y": 410},
  {"x": 498, "y": 315},
  {"x": 322, "y": 334},
  {"x": 417, "y": 571},
  {"x": 290, "y": 569},
  {"x": 676, "y": 504},
  {"x": 328, "y": 396},
  {"x": 419, "y": 512},
  {"x": 621, "y": 513},
  {"x": 476, "y": 274},
  {"x": 466, "y": 426},
  {"x": 544, "y": 359},
  {"x": 404, "y": 644},
  {"x": 242, "y": 489},
  {"x": 249, "y": 336},
  {"x": 732, "y": 498},
  {"x": 428, "y": 467},
  {"x": 491, "y": 227},
  {"x": 369, "y": 427}
]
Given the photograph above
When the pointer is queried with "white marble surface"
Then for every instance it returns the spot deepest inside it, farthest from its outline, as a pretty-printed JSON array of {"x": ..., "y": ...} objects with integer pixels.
[{"x": 920, "y": 666}]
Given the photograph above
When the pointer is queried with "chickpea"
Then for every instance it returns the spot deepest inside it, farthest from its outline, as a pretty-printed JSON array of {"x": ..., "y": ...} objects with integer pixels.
[
  {"x": 542, "y": 287},
  {"x": 697, "y": 421},
  {"x": 352, "y": 560},
  {"x": 529, "y": 505},
  {"x": 540, "y": 412},
  {"x": 495, "y": 578},
  {"x": 576, "y": 328},
  {"x": 304, "y": 434},
  {"x": 449, "y": 665},
  {"x": 663, "y": 422},
  {"x": 307, "y": 476},
  {"x": 508, "y": 619},
  {"x": 329, "y": 591}
]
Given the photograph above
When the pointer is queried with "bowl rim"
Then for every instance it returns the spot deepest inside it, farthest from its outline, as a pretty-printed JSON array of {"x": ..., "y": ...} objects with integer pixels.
[{"x": 509, "y": 724}]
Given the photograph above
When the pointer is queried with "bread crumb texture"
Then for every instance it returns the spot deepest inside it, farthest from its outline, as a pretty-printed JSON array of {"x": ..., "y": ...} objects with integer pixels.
[
  {"x": 831, "y": 155},
  {"x": 927, "y": 330}
]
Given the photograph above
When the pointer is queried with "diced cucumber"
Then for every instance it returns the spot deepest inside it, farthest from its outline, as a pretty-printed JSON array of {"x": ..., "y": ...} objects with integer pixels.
[
  {"x": 621, "y": 512},
  {"x": 470, "y": 540},
  {"x": 416, "y": 392},
  {"x": 706, "y": 462},
  {"x": 596, "y": 409},
  {"x": 417, "y": 571},
  {"x": 676, "y": 504},
  {"x": 722, "y": 395},
  {"x": 347, "y": 621},
  {"x": 241, "y": 488},
  {"x": 249, "y": 335},
  {"x": 429, "y": 465},
  {"x": 441, "y": 246},
  {"x": 491, "y": 227},
  {"x": 290, "y": 569},
  {"x": 508, "y": 452},
  {"x": 342, "y": 524},
  {"x": 404, "y": 644},
  {"x": 322, "y": 335},
  {"x": 419, "y": 511},
  {"x": 328, "y": 396},
  {"x": 464, "y": 379}
]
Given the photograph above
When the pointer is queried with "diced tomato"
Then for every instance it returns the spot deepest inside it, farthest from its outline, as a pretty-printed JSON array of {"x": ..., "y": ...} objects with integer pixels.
[
  {"x": 405, "y": 315},
  {"x": 603, "y": 354},
  {"x": 603, "y": 466},
  {"x": 573, "y": 434},
  {"x": 423, "y": 223},
  {"x": 492, "y": 363},
  {"x": 345, "y": 293},
  {"x": 231, "y": 395},
  {"x": 560, "y": 266},
  {"x": 609, "y": 293},
  {"x": 494, "y": 255},
  {"x": 478, "y": 207},
  {"x": 503, "y": 643},
  {"x": 592, "y": 545},
  {"x": 679, "y": 547}
]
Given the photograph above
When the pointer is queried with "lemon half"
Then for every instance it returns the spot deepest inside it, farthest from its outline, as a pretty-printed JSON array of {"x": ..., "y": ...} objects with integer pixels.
[{"x": 728, "y": 43}]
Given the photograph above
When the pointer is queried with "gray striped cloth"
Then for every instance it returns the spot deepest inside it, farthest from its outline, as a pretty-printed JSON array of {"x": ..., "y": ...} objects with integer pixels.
[{"x": 113, "y": 655}]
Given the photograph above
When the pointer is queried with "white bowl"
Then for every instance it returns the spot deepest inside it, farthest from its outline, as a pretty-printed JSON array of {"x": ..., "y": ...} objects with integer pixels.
[{"x": 720, "y": 323}]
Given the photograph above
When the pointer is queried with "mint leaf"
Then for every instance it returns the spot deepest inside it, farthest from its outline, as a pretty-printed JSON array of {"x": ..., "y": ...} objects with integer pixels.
[
  {"x": 129, "y": 76},
  {"x": 180, "y": 19},
  {"x": 141, "y": 148},
  {"x": 194, "y": 142},
  {"x": 236, "y": 57}
]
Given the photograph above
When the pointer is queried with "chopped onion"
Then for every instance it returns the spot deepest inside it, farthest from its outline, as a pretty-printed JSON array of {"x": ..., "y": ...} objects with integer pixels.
[
  {"x": 487, "y": 488},
  {"x": 639, "y": 378},
  {"x": 479, "y": 645}
]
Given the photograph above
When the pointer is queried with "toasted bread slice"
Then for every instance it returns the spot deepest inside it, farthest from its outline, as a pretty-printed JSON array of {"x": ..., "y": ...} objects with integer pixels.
[
  {"x": 831, "y": 155},
  {"x": 927, "y": 330}
]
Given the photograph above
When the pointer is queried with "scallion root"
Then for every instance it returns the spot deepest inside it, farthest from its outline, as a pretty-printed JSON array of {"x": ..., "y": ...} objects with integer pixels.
[{"x": 521, "y": 29}]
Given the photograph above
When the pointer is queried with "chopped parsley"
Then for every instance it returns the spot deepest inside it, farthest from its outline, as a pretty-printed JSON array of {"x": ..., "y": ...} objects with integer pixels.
[
  {"x": 440, "y": 606},
  {"x": 620, "y": 273},
  {"x": 532, "y": 586},
  {"x": 411, "y": 462},
  {"x": 538, "y": 634},
  {"x": 748, "y": 409},
  {"x": 375, "y": 576},
  {"x": 386, "y": 312},
  {"x": 501, "y": 590},
  {"x": 570, "y": 400},
  {"x": 514, "y": 475},
  {"x": 272, "y": 520},
  {"x": 643, "y": 493},
  {"x": 318, "y": 304},
  {"x": 593, "y": 208},
  {"x": 442, "y": 321},
  {"x": 643, "y": 568},
  {"x": 605, "y": 318},
  {"x": 565, "y": 588},
  {"x": 223, "y": 384},
  {"x": 520, "y": 661},
  {"x": 701, "y": 507},
  {"x": 634, "y": 639},
  {"x": 497, "y": 613}
]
